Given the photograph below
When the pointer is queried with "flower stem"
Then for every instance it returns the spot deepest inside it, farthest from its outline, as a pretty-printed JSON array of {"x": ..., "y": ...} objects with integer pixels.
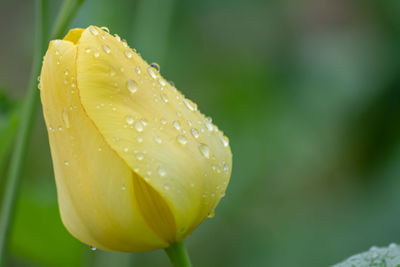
[
  {"x": 178, "y": 255},
  {"x": 28, "y": 113}
]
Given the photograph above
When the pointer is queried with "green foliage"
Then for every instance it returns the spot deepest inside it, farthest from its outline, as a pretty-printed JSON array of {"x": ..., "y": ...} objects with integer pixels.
[
  {"x": 375, "y": 257},
  {"x": 8, "y": 127}
]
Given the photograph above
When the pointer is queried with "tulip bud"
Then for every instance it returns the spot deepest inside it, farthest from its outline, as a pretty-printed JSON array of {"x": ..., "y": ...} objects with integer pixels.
[{"x": 137, "y": 166}]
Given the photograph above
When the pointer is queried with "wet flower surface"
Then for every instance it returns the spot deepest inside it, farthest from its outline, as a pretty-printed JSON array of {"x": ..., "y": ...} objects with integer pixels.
[{"x": 137, "y": 165}]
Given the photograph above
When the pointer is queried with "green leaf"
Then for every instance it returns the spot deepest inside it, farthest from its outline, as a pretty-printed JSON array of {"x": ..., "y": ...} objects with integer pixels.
[
  {"x": 8, "y": 126},
  {"x": 375, "y": 257}
]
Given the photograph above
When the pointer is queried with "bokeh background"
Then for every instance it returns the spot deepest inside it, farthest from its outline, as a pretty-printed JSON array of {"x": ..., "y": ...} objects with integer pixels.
[{"x": 309, "y": 94}]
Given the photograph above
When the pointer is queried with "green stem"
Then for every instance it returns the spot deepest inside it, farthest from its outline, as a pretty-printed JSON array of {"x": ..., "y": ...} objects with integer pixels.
[
  {"x": 178, "y": 255},
  {"x": 29, "y": 110}
]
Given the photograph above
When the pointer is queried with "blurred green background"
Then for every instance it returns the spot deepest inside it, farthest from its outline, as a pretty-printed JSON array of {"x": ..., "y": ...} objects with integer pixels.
[{"x": 309, "y": 94}]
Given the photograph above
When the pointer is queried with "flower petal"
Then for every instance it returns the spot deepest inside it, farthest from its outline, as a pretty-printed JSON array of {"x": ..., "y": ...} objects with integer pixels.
[
  {"x": 95, "y": 187},
  {"x": 157, "y": 131}
]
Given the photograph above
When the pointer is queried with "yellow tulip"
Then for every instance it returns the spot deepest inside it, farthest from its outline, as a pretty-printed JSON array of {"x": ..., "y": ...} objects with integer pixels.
[{"x": 137, "y": 166}]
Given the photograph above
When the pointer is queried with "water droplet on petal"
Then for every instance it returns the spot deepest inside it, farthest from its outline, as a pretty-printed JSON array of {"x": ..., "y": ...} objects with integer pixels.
[
  {"x": 171, "y": 83},
  {"x": 205, "y": 150},
  {"x": 106, "y": 49},
  {"x": 96, "y": 54},
  {"x": 164, "y": 97},
  {"x": 176, "y": 125},
  {"x": 211, "y": 214},
  {"x": 181, "y": 139},
  {"x": 128, "y": 53},
  {"x": 65, "y": 117},
  {"x": 150, "y": 70},
  {"x": 155, "y": 66},
  {"x": 224, "y": 140},
  {"x": 138, "y": 71},
  {"x": 226, "y": 168},
  {"x": 132, "y": 86},
  {"x": 88, "y": 50},
  {"x": 105, "y": 29},
  {"x": 66, "y": 163},
  {"x": 126, "y": 149},
  {"x": 94, "y": 31},
  {"x": 139, "y": 139},
  {"x": 139, "y": 156},
  {"x": 189, "y": 105},
  {"x": 161, "y": 171},
  {"x": 129, "y": 119},
  {"x": 139, "y": 126},
  {"x": 123, "y": 187},
  {"x": 195, "y": 133},
  {"x": 117, "y": 37},
  {"x": 93, "y": 248},
  {"x": 158, "y": 139},
  {"x": 99, "y": 149},
  {"x": 162, "y": 82},
  {"x": 208, "y": 124},
  {"x": 112, "y": 72}
]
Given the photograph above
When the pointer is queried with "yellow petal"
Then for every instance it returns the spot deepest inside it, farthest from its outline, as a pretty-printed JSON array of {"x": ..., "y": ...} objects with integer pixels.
[
  {"x": 96, "y": 190},
  {"x": 157, "y": 131}
]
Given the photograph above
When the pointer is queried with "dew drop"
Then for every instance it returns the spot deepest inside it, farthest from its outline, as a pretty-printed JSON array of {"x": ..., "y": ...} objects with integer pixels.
[
  {"x": 66, "y": 72},
  {"x": 224, "y": 140},
  {"x": 132, "y": 86},
  {"x": 157, "y": 139},
  {"x": 39, "y": 86},
  {"x": 138, "y": 71},
  {"x": 139, "y": 156},
  {"x": 226, "y": 168},
  {"x": 123, "y": 187},
  {"x": 129, "y": 119},
  {"x": 181, "y": 139},
  {"x": 150, "y": 70},
  {"x": 117, "y": 37},
  {"x": 105, "y": 29},
  {"x": 94, "y": 31},
  {"x": 161, "y": 171},
  {"x": 155, "y": 66},
  {"x": 163, "y": 121},
  {"x": 211, "y": 214},
  {"x": 139, "y": 126},
  {"x": 128, "y": 53},
  {"x": 112, "y": 72},
  {"x": 176, "y": 125},
  {"x": 208, "y": 124},
  {"x": 166, "y": 187},
  {"x": 171, "y": 83},
  {"x": 93, "y": 248},
  {"x": 162, "y": 82},
  {"x": 195, "y": 133},
  {"x": 126, "y": 149},
  {"x": 96, "y": 54},
  {"x": 99, "y": 149},
  {"x": 65, "y": 118},
  {"x": 164, "y": 98},
  {"x": 106, "y": 49},
  {"x": 189, "y": 105},
  {"x": 139, "y": 138},
  {"x": 66, "y": 163},
  {"x": 88, "y": 50},
  {"x": 60, "y": 128},
  {"x": 205, "y": 150}
]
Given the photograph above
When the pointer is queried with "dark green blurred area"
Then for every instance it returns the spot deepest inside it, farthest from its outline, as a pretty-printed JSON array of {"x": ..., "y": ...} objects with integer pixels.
[{"x": 308, "y": 93}]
